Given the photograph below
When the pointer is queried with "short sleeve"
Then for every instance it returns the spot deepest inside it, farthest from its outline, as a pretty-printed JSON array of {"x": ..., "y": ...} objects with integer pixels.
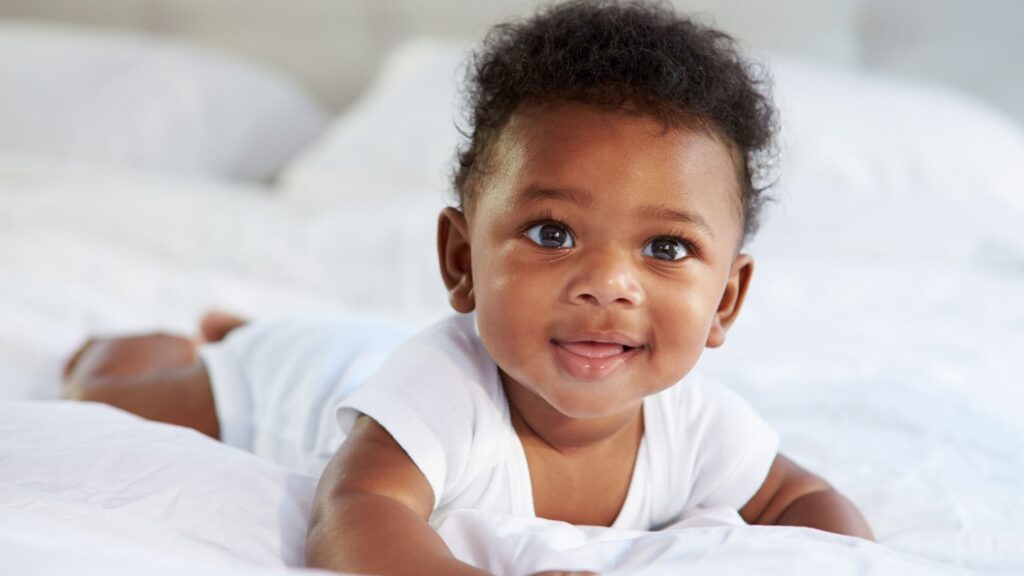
[
  {"x": 434, "y": 395},
  {"x": 734, "y": 450}
]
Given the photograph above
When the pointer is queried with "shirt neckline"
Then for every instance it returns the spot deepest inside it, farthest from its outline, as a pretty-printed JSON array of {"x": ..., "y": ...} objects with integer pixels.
[{"x": 522, "y": 484}]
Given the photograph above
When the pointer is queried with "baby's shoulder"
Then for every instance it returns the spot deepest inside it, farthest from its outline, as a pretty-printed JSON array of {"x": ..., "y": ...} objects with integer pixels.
[
  {"x": 439, "y": 396},
  {"x": 449, "y": 351},
  {"x": 444, "y": 364}
]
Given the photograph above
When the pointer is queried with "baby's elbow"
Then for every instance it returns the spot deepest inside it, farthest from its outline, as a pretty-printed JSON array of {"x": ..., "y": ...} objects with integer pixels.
[
  {"x": 827, "y": 510},
  {"x": 318, "y": 540}
]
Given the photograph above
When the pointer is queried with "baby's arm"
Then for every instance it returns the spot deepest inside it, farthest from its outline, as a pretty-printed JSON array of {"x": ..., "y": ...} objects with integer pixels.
[
  {"x": 792, "y": 496},
  {"x": 371, "y": 510}
]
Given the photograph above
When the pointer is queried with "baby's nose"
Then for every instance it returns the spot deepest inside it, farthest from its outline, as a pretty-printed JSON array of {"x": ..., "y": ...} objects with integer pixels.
[{"x": 605, "y": 279}]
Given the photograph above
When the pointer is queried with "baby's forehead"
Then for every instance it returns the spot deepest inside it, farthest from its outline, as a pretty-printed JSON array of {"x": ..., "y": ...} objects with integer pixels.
[{"x": 624, "y": 157}]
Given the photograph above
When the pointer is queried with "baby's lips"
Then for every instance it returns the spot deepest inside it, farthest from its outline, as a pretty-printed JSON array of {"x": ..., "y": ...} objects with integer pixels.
[{"x": 589, "y": 349}]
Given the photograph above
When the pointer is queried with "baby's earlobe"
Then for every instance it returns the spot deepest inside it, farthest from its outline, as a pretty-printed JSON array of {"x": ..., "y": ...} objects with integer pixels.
[
  {"x": 461, "y": 299},
  {"x": 716, "y": 336},
  {"x": 732, "y": 299}
]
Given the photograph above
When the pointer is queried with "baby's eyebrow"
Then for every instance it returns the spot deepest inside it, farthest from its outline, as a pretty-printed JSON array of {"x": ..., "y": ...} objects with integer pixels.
[
  {"x": 535, "y": 193},
  {"x": 662, "y": 212},
  {"x": 583, "y": 198}
]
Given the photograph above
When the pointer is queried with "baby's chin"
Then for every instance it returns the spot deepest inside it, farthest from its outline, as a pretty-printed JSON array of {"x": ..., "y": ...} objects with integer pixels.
[
  {"x": 590, "y": 400},
  {"x": 579, "y": 413}
]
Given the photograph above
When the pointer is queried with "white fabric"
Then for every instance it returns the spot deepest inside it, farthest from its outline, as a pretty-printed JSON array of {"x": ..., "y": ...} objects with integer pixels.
[
  {"x": 87, "y": 490},
  {"x": 85, "y": 95},
  {"x": 276, "y": 384},
  {"x": 415, "y": 137},
  {"x": 714, "y": 542},
  {"x": 75, "y": 263},
  {"x": 440, "y": 396},
  {"x": 887, "y": 168}
]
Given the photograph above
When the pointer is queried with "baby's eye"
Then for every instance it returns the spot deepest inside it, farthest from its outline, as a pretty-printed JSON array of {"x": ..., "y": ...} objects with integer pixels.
[
  {"x": 666, "y": 249},
  {"x": 551, "y": 236}
]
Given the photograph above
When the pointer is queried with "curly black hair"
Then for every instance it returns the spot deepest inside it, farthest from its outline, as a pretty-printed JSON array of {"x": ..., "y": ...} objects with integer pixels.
[{"x": 628, "y": 55}]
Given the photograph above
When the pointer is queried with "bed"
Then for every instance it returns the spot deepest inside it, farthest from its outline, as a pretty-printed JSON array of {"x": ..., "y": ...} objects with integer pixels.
[{"x": 883, "y": 335}]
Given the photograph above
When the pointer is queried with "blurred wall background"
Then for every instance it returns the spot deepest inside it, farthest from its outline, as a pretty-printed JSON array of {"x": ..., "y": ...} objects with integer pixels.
[{"x": 334, "y": 46}]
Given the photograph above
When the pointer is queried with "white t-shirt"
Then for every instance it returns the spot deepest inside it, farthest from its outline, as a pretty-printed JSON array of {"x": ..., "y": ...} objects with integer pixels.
[{"x": 440, "y": 396}]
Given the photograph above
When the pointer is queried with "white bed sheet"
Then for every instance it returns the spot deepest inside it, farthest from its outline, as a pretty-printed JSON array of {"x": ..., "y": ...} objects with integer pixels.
[
  {"x": 86, "y": 250},
  {"x": 89, "y": 489},
  {"x": 896, "y": 377}
]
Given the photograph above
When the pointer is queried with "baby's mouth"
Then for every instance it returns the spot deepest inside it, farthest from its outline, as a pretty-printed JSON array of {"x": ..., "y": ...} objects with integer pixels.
[
  {"x": 594, "y": 359},
  {"x": 595, "y": 350}
]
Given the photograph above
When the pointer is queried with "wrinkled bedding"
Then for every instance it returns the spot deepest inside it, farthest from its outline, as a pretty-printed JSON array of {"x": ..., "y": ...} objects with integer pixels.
[
  {"x": 99, "y": 491},
  {"x": 896, "y": 376}
]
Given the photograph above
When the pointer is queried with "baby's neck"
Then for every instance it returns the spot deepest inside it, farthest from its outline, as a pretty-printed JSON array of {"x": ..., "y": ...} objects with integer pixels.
[{"x": 536, "y": 422}]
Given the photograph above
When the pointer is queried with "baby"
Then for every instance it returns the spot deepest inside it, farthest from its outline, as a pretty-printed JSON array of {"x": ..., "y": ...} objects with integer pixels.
[{"x": 606, "y": 192}]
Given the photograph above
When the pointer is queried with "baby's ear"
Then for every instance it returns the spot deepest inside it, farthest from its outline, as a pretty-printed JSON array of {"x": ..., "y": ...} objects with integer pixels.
[
  {"x": 453, "y": 251},
  {"x": 732, "y": 299}
]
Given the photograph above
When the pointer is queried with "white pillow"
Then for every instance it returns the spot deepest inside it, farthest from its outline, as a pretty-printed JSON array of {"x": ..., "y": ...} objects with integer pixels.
[
  {"x": 875, "y": 165},
  {"x": 74, "y": 94},
  {"x": 398, "y": 138}
]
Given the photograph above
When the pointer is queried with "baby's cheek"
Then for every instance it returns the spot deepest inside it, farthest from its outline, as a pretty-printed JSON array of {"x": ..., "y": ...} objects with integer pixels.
[
  {"x": 680, "y": 339},
  {"x": 504, "y": 327}
]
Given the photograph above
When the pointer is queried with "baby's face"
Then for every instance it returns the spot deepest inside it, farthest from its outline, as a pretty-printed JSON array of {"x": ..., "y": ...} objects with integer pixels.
[{"x": 602, "y": 247}]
